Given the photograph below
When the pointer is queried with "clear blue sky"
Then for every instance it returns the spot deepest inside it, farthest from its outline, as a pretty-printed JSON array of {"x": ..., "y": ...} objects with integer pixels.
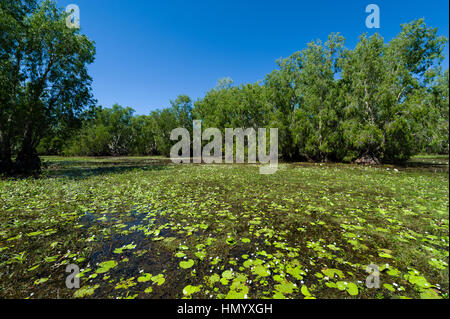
[{"x": 148, "y": 52}]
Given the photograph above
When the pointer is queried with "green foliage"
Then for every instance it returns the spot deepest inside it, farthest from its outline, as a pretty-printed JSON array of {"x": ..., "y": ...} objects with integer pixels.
[
  {"x": 389, "y": 101},
  {"x": 43, "y": 77},
  {"x": 186, "y": 264},
  {"x": 106, "y": 266},
  {"x": 109, "y": 133},
  {"x": 116, "y": 131},
  {"x": 384, "y": 113}
]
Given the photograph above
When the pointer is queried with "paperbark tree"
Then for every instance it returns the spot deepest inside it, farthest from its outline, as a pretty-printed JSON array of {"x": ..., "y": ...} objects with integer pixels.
[{"x": 44, "y": 77}]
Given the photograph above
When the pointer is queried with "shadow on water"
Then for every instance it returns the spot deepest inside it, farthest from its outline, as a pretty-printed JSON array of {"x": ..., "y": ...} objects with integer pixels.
[
  {"x": 85, "y": 168},
  {"x": 80, "y": 169},
  {"x": 432, "y": 164},
  {"x": 148, "y": 253},
  {"x": 438, "y": 164},
  {"x": 128, "y": 233}
]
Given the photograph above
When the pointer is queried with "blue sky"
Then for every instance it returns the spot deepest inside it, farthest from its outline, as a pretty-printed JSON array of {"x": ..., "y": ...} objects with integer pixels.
[{"x": 148, "y": 52}]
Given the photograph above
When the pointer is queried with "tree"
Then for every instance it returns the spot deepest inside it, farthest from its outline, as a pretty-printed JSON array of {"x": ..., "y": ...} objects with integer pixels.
[
  {"x": 439, "y": 100},
  {"x": 182, "y": 110},
  {"x": 412, "y": 57},
  {"x": 109, "y": 133},
  {"x": 178, "y": 115},
  {"x": 362, "y": 75},
  {"x": 284, "y": 98},
  {"x": 316, "y": 125},
  {"x": 117, "y": 122},
  {"x": 224, "y": 84},
  {"x": 166, "y": 121},
  {"x": 382, "y": 84},
  {"x": 46, "y": 63},
  {"x": 12, "y": 29}
]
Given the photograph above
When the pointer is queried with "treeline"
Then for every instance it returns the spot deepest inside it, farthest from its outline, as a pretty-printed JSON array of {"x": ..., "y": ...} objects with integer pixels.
[
  {"x": 378, "y": 102},
  {"x": 117, "y": 131}
]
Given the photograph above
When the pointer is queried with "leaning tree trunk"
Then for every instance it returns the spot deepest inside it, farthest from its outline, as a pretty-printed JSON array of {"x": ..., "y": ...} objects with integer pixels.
[{"x": 27, "y": 159}]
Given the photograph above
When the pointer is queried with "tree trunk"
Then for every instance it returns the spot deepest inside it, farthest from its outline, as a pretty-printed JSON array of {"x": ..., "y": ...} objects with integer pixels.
[
  {"x": 5, "y": 153},
  {"x": 28, "y": 160}
]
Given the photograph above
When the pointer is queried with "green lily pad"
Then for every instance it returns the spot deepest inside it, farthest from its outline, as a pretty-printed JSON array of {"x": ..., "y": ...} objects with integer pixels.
[
  {"x": 189, "y": 290},
  {"x": 144, "y": 278},
  {"x": 186, "y": 264},
  {"x": 85, "y": 291},
  {"x": 106, "y": 266}
]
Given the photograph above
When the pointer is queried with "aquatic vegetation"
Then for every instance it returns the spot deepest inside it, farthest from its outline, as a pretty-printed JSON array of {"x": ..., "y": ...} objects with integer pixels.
[
  {"x": 85, "y": 291},
  {"x": 106, "y": 266},
  {"x": 145, "y": 278},
  {"x": 189, "y": 290},
  {"x": 187, "y": 264},
  {"x": 224, "y": 231}
]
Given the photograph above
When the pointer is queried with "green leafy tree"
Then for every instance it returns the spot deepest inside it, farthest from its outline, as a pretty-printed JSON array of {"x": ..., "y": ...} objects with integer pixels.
[
  {"x": 437, "y": 124},
  {"x": 109, "y": 133},
  {"x": 382, "y": 82},
  {"x": 316, "y": 125},
  {"x": 46, "y": 62},
  {"x": 362, "y": 74},
  {"x": 224, "y": 107},
  {"x": 284, "y": 98},
  {"x": 144, "y": 132},
  {"x": 12, "y": 47}
]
